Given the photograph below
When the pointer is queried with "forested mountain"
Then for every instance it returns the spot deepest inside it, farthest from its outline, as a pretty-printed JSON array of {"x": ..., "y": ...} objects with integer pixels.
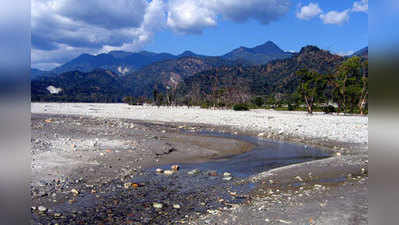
[
  {"x": 36, "y": 73},
  {"x": 170, "y": 73},
  {"x": 122, "y": 63},
  {"x": 278, "y": 76},
  {"x": 119, "y": 62},
  {"x": 364, "y": 53},
  {"x": 192, "y": 79},
  {"x": 258, "y": 55},
  {"x": 96, "y": 86}
]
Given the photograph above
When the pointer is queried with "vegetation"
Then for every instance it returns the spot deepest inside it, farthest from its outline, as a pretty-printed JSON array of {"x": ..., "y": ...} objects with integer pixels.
[{"x": 311, "y": 80}]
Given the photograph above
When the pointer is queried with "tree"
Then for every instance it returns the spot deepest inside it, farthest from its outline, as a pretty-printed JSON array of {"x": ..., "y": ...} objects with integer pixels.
[
  {"x": 344, "y": 82},
  {"x": 311, "y": 87},
  {"x": 364, "y": 90}
]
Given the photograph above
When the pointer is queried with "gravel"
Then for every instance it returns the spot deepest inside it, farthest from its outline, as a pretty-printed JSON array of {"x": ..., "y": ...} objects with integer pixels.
[{"x": 349, "y": 129}]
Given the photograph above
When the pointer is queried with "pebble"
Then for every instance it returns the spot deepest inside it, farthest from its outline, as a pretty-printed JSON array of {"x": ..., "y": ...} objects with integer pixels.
[
  {"x": 193, "y": 172},
  {"x": 299, "y": 178},
  {"x": 212, "y": 173},
  {"x": 157, "y": 205},
  {"x": 176, "y": 206},
  {"x": 227, "y": 174},
  {"x": 127, "y": 185},
  {"x": 74, "y": 191},
  {"x": 175, "y": 167},
  {"x": 42, "y": 208},
  {"x": 168, "y": 172},
  {"x": 227, "y": 178}
]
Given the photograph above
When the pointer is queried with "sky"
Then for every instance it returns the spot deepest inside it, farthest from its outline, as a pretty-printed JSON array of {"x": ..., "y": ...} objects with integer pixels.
[{"x": 64, "y": 29}]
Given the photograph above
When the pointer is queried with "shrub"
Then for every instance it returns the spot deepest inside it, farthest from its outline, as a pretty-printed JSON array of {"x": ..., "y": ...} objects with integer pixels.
[
  {"x": 258, "y": 101},
  {"x": 205, "y": 105},
  {"x": 241, "y": 107},
  {"x": 329, "y": 109},
  {"x": 290, "y": 107}
]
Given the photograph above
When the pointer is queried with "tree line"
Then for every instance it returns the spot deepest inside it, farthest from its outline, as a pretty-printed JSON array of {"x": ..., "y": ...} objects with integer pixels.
[{"x": 344, "y": 90}]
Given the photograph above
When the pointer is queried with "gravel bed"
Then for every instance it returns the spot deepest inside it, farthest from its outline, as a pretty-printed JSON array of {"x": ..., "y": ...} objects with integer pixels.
[{"x": 348, "y": 129}]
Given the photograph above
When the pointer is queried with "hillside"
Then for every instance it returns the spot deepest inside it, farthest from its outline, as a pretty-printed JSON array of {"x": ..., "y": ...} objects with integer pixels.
[
  {"x": 122, "y": 63},
  {"x": 119, "y": 62},
  {"x": 95, "y": 86},
  {"x": 170, "y": 73},
  {"x": 278, "y": 76},
  {"x": 258, "y": 55}
]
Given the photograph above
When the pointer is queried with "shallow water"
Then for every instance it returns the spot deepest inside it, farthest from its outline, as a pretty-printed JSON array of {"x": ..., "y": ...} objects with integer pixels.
[{"x": 194, "y": 193}]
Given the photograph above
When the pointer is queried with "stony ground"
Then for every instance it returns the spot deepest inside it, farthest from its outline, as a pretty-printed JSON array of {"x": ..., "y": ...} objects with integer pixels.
[
  {"x": 350, "y": 129},
  {"x": 90, "y": 169}
]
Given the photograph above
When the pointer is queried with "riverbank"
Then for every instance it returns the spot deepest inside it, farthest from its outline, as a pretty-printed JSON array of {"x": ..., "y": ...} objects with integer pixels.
[
  {"x": 348, "y": 129},
  {"x": 96, "y": 156}
]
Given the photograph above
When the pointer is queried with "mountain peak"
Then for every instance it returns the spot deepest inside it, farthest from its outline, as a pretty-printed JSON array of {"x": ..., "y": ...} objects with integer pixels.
[
  {"x": 187, "y": 54},
  {"x": 268, "y": 47},
  {"x": 309, "y": 48}
]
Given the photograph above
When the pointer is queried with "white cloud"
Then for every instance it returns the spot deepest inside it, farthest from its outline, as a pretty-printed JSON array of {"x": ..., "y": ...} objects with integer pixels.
[
  {"x": 361, "y": 6},
  {"x": 192, "y": 16},
  {"x": 334, "y": 17},
  {"x": 309, "y": 11},
  {"x": 64, "y": 29}
]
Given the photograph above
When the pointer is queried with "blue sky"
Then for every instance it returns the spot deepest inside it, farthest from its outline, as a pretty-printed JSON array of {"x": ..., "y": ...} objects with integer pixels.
[
  {"x": 290, "y": 33},
  {"x": 64, "y": 29}
]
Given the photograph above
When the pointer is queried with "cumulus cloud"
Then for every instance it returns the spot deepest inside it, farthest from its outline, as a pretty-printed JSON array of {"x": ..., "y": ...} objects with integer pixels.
[
  {"x": 192, "y": 16},
  {"x": 63, "y": 29},
  {"x": 361, "y": 6},
  {"x": 335, "y": 17},
  {"x": 307, "y": 12}
]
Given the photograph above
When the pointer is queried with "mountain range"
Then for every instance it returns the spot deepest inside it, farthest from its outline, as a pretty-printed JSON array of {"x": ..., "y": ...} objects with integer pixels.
[
  {"x": 122, "y": 63},
  {"x": 182, "y": 72}
]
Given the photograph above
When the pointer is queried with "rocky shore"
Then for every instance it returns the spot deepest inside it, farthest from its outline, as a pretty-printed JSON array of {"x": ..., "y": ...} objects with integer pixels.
[{"x": 92, "y": 164}]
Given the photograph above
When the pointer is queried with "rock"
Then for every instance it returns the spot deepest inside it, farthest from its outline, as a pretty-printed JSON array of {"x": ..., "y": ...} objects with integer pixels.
[
  {"x": 298, "y": 178},
  {"x": 317, "y": 186},
  {"x": 227, "y": 174},
  {"x": 212, "y": 173},
  {"x": 157, "y": 205},
  {"x": 176, "y": 206},
  {"x": 227, "y": 178},
  {"x": 74, "y": 191},
  {"x": 127, "y": 185},
  {"x": 159, "y": 170},
  {"x": 168, "y": 172},
  {"x": 193, "y": 172},
  {"x": 42, "y": 208},
  {"x": 175, "y": 167}
]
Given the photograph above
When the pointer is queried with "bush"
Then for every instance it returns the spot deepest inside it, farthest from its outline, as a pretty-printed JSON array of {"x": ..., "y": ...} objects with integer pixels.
[
  {"x": 329, "y": 109},
  {"x": 258, "y": 101},
  {"x": 290, "y": 107},
  {"x": 241, "y": 107},
  {"x": 205, "y": 105}
]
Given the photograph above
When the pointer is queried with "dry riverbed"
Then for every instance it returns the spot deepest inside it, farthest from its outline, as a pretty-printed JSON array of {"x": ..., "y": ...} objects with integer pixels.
[{"x": 99, "y": 167}]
